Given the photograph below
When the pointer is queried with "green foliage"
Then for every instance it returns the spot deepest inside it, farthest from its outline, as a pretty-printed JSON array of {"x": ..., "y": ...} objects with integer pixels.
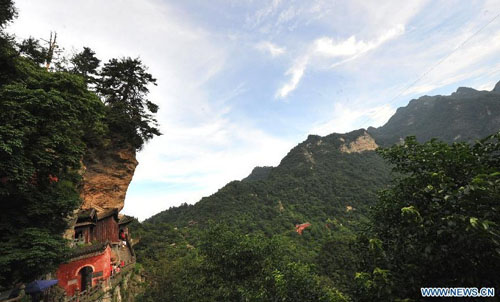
[
  {"x": 439, "y": 225},
  {"x": 50, "y": 122},
  {"x": 47, "y": 119},
  {"x": 85, "y": 63},
  {"x": 124, "y": 88},
  {"x": 229, "y": 266},
  {"x": 29, "y": 252},
  {"x": 7, "y": 12},
  {"x": 32, "y": 49}
]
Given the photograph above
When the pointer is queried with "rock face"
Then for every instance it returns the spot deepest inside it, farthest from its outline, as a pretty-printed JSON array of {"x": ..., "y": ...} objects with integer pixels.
[
  {"x": 107, "y": 177},
  {"x": 363, "y": 143}
]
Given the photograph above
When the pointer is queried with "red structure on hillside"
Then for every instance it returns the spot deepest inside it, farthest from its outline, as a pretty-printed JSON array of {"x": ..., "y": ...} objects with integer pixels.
[
  {"x": 86, "y": 267},
  {"x": 300, "y": 227},
  {"x": 97, "y": 248},
  {"x": 93, "y": 226}
]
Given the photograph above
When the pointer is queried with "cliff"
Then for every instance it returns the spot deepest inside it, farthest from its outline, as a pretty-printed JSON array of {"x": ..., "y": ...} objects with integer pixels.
[
  {"x": 363, "y": 143},
  {"x": 106, "y": 177},
  {"x": 106, "y": 174}
]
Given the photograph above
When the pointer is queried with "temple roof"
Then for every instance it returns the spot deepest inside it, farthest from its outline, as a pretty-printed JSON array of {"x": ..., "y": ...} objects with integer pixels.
[
  {"x": 88, "y": 250},
  {"x": 92, "y": 215},
  {"x": 124, "y": 219}
]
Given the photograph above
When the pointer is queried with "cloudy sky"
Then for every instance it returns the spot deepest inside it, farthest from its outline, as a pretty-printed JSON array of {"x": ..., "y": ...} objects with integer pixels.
[{"x": 240, "y": 82}]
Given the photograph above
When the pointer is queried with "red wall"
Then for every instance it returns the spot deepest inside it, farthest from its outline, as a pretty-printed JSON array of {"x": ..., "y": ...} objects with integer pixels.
[{"x": 68, "y": 276}]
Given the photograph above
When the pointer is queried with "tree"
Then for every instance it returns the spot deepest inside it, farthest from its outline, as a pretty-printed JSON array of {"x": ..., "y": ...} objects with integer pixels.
[
  {"x": 124, "y": 88},
  {"x": 7, "y": 52},
  {"x": 439, "y": 225},
  {"x": 49, "y": 56},
  {"x": 32, "y": 49},
  {"x": 7, "y": 12},
  {"x": 85, "y": 63},
  {"x": 230, "y": 266},
  {"x": 46, "y": 119}
]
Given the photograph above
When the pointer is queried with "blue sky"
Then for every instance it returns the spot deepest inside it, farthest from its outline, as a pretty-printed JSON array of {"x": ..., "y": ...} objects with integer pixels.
[{"x": 240, "y": 82}]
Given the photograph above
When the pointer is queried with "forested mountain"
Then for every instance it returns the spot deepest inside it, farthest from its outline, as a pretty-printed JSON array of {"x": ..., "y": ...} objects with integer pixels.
[
  {"x": 366, "y": 233},
  {"x": 465, "y": 115},
  {"x": 319, "y": 179},
  {"x": 322, "y": 177}
]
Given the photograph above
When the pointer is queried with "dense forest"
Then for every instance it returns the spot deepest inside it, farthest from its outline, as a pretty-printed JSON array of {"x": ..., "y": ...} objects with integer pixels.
[{"x": 53, "y": 110}]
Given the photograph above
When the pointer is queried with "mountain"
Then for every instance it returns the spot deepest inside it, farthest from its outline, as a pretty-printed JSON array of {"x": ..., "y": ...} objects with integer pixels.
[
  {"x": 258, "y": 173},
  {"x": 336, "y": 177},
  {"x": 465, "y": 115},
  {"x": 311, "y": 211},
  {"x": 321, "y": 178}
]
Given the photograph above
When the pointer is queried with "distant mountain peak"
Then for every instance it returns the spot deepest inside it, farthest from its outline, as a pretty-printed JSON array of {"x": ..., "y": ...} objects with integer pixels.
[
  {"x": 465, "y": 115},
  {"x": 497, "y": 87},
  {"x": 465, "y": 91},
  {"x": 258, "y": 173}
]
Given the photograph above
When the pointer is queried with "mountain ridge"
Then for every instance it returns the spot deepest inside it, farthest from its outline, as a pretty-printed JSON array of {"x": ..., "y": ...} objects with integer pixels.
[
  {"x": 318, "y": 206},
  {"x": 448, "y": 118},
  {"x": 330, "y": 173}
]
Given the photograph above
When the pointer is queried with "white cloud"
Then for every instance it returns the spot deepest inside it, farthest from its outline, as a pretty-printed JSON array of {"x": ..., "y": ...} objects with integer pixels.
[
  {"x": 345, "y": 119},
  {"x": 295, "y": 72},
  {"x": 263, "y": 13},
  {"x": 326, "y": 47},
  {"x": 475, "y": 59},
  {"x": 202, "y": 148},
  {"x": 205, "y": 144},
  {"x": 202, "y": 159},
  {"x": 352, "y": 47},
  {"x": 272, "y": 49},
  {"x": 486, "y": 86}
]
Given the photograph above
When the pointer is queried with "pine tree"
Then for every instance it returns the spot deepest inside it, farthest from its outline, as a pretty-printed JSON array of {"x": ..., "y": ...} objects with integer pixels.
[
  {"x": 85, "y": 63},
  {"x": 123, "y": 86}
]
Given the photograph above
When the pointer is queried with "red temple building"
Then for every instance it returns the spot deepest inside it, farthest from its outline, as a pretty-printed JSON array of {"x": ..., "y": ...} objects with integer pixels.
[
  {"x": 85, "y": 269},
  {"x": 301, "y": 227},
  {"x": 101, "y": 244}
]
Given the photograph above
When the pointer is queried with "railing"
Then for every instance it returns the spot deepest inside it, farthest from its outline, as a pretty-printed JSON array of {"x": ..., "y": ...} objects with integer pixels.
[{"x": 85, "y": 295}]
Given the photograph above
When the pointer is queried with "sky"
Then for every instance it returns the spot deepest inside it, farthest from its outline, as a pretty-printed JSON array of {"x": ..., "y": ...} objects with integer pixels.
[{"x": 241, "y": 82}]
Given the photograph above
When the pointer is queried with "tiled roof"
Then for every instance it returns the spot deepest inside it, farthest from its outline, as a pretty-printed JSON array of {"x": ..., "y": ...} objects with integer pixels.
[
  {"x": 126, "y": 219},
  {"x": 86, "y": 214},
  {"x": 89, "y": 249},
  {"x": 107, "y": 213}
]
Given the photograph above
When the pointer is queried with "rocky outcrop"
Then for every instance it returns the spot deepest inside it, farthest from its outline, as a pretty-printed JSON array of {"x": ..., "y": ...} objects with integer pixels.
[
  {"x": 363, "y": 143},
  {"x": 106, "y": 178}
]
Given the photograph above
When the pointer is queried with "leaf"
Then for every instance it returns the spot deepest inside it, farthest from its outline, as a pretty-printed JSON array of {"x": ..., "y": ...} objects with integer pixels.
[{"x": 473, "y": 221}]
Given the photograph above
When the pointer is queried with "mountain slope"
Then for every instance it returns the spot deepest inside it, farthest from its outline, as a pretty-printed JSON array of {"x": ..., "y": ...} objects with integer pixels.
[
  {"x": 319, "y": 179},
  {"x": 465, "y": 115},
  {"x": 336, "y": 177}
]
